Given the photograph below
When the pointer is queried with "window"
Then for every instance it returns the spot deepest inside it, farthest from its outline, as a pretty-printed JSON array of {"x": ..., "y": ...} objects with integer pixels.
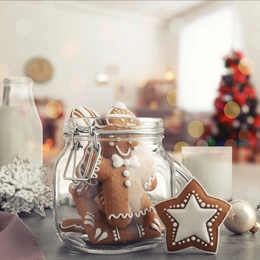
[{"x": 204, "y": 41}]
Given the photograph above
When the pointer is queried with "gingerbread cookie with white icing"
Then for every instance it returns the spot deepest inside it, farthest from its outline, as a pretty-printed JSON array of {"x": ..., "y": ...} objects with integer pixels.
[
  {"x": 193, "y": 219},
  {"x": 95, "y": 222},
  {"x": 127, "y": 170},
  {"x": 84, "y": 116},
  {"x": 115, "y": 207}
]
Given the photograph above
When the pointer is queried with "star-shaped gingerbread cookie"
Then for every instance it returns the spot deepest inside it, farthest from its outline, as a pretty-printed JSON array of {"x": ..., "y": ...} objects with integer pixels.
[{"x": 193, "y": 219}]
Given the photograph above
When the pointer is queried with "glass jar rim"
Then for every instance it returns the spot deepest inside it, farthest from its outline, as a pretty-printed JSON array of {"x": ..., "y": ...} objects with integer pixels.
[
  {"x": 17, "y": 80},
  {"x": 148, "y": 125}
]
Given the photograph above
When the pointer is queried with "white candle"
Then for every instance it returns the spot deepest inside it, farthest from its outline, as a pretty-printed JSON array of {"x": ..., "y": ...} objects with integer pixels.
[{"x": 212, "y": 167}]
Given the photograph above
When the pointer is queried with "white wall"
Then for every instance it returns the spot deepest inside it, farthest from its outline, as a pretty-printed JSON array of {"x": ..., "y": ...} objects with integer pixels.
[
  {"x": 250, "y": 21},
  {"x": 130, "y": 45},
  {"x": 137, "y": 48},
  {"x": 246, "y": 18}
]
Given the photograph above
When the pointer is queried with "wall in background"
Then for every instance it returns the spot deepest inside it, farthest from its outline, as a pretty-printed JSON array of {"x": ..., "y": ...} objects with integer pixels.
[
  {"x": 247, "y": 40},
  {"x": 80, "y": 43}
]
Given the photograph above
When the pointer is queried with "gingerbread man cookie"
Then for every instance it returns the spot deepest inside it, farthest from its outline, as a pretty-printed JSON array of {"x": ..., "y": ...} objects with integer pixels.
[{"x": 115, "y": 208}]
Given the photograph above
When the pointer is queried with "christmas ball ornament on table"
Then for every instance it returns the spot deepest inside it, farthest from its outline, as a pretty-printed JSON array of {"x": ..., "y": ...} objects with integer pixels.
[{"x": 241, "y": 218}]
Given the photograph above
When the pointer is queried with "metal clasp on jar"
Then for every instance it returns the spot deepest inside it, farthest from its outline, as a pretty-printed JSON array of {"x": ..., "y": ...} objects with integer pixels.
[{"x": 95, "y": 148}]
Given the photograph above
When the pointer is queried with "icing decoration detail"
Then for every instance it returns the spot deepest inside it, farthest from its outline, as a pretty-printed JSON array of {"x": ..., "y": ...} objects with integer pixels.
[
  {"x": 103, "y": 236},
  {"x": 126, "y": 173},
  {"x": 120, "y": 110},
  {"x": 89, "y": 219},
  {"x": 85, "y": 115},
  {"x": 70, "y": 226},
  {"x": 122, "y": 153},
  {"x": 116, "y": 234},
  {"x": 144, "y": 212},
  {"x": 192, "y": 220},
  {"x": 128, "y": 183},
  {"x": 156, "y": 225},
  {"x": 118, "y": 161},
  {"x": 130, "y": 215},
  {"x": 120, "y": 105},
  {"x": 140, "y": 230},
  {"x": 149, "y": 182},
  {"x": 121, "y": 215},
  {"x": 99, "y": 236},
  {"x": 88, "y": 222}
]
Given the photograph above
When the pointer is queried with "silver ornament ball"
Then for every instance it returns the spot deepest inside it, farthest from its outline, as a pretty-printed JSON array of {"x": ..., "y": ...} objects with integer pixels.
[{"x": 241, "y": 218}]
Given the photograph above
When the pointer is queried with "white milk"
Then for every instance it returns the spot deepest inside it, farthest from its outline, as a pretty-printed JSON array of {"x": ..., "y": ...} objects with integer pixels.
[{"x": 212, "y": 167}]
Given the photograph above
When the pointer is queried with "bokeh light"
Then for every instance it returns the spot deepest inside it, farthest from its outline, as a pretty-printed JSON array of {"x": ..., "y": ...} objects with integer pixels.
[
  {"x": 153, "y": 105},
  {"x": 246, "y": 66},
  {"x": 212, "y": 141},
  {"x": 70, "y": 49},
  {"x": 232, "y": 143},
  {"x": 176, "y": 25},
  {"x": 250, "y": 120},
  {"x": 178, "y": 146},
  {"x": 143, "y": 84},
  {"x": 48, "y": 144},
  {"x": 172, "y": 97},
  {"x": 23, "y": 27},
  {"x": 202, "y": 143},
  {"x": 232, "y": 109},
  {"x": 4, "y": 71},
  {"x": 169, "y": 75},
  {"x": 245, "y": 109},
  {"x": 102, "y": 78},
  {"x": 47, "y": 8},
  {"x": 53, "y": 109},
  {"x": 195, "y": 128},
  {"x": 244, "y": 135}
]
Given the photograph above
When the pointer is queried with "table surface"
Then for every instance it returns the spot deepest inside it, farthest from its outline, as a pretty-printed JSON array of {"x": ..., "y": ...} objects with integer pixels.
[{"x": 246, "y": 185}]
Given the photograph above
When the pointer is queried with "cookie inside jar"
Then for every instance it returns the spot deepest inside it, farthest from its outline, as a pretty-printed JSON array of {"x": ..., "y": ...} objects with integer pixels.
[{"x": 113, "y": 171}]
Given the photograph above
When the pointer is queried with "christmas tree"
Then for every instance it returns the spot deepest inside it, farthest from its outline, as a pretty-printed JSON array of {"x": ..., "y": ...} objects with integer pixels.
[{"x": 235, "y": 121}]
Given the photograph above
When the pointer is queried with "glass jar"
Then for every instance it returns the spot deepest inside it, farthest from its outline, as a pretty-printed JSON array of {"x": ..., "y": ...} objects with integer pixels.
[
  {"x": 107, "y": 180},
  {"x": 21, "y": 128}
]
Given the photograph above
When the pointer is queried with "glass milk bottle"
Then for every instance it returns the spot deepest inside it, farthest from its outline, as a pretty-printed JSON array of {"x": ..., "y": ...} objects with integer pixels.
[
  {"x": 107, "y": 180},
  {"x": 21, "y": 128}
]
